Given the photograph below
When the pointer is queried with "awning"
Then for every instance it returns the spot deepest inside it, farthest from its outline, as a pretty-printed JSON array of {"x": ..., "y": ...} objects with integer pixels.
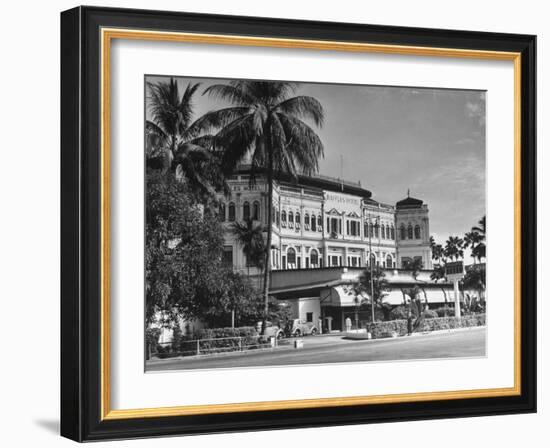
[
  {"x": 395, "y": 297},
  {"x": 342, "y": 295}
]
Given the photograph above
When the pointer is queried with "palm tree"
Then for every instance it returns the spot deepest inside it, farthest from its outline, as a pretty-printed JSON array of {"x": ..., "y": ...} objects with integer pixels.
[
  {"x": 380, "y": 288},
  {"x": 472, "y": 240},
  {"x": 415, "y": 266},
  {"x": 249, "y": 234},
  {"x": 453, "y": 248},
  {"x": 173, "y": 141},
  {"x": 439, "y": 274},
  {"x": 265, "y": 123},
  {"x": 479, "y": 250},
  {"x": 437, "y": 250}
]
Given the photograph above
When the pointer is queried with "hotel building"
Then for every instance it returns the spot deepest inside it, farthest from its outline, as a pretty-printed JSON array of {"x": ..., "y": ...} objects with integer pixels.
[{"x": 320, "y": 221}]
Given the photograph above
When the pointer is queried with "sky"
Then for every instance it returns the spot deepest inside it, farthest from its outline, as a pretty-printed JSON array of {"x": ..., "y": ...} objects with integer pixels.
[{"x": 395, "y": 139}]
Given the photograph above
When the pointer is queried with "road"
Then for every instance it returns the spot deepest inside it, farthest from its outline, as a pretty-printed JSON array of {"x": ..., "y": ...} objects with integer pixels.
[{"x": 335, "y": 349}]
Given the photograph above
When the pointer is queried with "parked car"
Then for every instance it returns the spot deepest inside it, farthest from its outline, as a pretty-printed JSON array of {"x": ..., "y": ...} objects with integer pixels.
[
  {"x": 302, "y": 328},
  {"x": 271, "y": 330}
]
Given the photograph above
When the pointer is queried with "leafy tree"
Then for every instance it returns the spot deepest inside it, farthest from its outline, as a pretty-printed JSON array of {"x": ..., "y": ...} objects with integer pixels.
[
  {"x": 234, "y": 299},
  {"x": 380, "y": 289},
  {"x": 474, "y": 280},
  {"x": 266, "y": 123},
  {"x": 185, "y": 276}
]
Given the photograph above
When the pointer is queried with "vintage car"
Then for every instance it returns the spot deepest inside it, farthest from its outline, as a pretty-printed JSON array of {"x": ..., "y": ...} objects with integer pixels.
[
  {"x": 271, "y": 330},
  {"x": 302, "y": 328}
]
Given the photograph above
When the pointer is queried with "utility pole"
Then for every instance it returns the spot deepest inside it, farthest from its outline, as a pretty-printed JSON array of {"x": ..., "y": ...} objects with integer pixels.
[{"x": 371, "y": 230}]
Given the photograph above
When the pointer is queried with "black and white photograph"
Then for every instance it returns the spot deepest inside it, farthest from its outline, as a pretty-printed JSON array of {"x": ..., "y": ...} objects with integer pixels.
[{"x": 310, "y": 223}]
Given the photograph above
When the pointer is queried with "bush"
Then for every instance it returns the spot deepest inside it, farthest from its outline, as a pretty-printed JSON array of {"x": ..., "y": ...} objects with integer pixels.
[
  {"x": 398, "y": 313},
  {"x": 214, "y": 340},
  {"x": 447, "y": 323},
  {"x": 387, "y": 329},
  {"x": 430, "y": 314},
  {"x": 445, "y": 311}
]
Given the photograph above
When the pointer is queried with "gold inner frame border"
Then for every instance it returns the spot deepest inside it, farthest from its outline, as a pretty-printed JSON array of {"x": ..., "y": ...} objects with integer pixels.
[{"x": 107, "y": 35}]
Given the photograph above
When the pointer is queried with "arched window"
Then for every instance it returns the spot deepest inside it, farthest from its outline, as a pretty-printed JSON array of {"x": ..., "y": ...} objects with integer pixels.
[
  {"x": 291, "y": 258},
  {"x": 319, "y": 224},
  {"x": 392, "y": 231},
  {"x": 222, "y": 211},
  {"x": 306, "y": 221},
  {"x": 314, "y": 258},
  {"x": 389, "y": 262},
  {"x": 246, "y": 211},
  {"x": 273, "y": 214},
  {"x": 313, "y": 223},
  {"x": 291, "y": 220},
  {"x": 278, "y": 218},
  {"x": 376, "y": 229},
  {"x": 410, "y": 232},
  {"x": 283, "y": 218},
  {"x": 417, "y": 232},
  {"x": 297, "y": 220},
  {"x": 256, "y": 211},
  {"x": 371, "y": 230},
  {"x": 403, "y": 232},
  {"x": 231, "y": 216},
  {"x": 383, "y": 231}
]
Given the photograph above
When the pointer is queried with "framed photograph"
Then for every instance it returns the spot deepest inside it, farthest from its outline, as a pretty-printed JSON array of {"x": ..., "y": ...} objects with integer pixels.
[{"x": 276, "y": 224}]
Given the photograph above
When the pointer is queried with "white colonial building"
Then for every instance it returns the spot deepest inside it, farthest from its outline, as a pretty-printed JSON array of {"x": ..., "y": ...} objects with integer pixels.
[{"x": 326, "y": 222}]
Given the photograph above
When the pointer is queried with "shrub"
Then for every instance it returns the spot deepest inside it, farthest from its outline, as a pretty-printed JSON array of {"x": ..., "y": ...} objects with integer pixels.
[
  {"x": 398, "y": 313},
  {"x": 214, "y": 340},
  {"x": 449, "y": 311},
  {"x": 387, "y": 329},
  {"x": 447, "y": 323},
  {"x": 430, "y": 314}
]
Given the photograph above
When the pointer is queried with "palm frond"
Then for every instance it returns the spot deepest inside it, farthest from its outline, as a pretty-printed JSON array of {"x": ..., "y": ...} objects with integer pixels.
[
  {"x": 303, "y": 143},
  {"x": 233, "y": 93},
  {"x": 217, "y": 119},
  {"x": 303, "y": 107}
]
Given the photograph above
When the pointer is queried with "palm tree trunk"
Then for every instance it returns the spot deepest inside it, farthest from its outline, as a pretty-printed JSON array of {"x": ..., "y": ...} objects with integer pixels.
[{"x": 267, "y": 268}]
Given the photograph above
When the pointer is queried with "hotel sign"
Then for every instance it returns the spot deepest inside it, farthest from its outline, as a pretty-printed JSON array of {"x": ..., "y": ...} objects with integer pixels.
[{"x": 342, "y": 202}]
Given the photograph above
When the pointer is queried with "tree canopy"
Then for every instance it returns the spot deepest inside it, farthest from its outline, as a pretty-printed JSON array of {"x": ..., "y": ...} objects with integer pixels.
[{"x": 185, "y": 274}]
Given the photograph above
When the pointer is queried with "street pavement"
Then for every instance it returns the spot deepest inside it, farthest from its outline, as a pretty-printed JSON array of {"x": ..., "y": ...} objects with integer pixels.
[{"x": 337, "y": 349}]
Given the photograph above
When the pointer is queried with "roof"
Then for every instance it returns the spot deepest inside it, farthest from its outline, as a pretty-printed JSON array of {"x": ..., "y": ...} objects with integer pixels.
[
  {"x": 319, "y": 181},
  {"x": 409, "y": 202}
]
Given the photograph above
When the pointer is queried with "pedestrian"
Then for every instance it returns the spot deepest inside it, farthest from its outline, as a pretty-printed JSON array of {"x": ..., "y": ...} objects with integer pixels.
[{"x": 348, "y": 324}]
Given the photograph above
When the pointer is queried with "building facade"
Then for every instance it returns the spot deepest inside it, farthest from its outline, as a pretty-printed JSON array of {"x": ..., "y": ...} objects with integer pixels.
[{"x": 326, "y": 222}]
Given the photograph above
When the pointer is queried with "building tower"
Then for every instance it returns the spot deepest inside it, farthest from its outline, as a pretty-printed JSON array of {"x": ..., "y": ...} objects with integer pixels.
[{"x": 413, "y": 232}]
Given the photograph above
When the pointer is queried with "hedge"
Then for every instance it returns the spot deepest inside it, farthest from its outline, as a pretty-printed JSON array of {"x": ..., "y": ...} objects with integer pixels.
[
  {"x": 399, "y": 327},
  {"x": 215, "y": 340}
]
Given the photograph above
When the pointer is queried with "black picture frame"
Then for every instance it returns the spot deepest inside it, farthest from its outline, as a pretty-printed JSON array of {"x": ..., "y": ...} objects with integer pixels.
[{"x": 81, "y": 224}]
